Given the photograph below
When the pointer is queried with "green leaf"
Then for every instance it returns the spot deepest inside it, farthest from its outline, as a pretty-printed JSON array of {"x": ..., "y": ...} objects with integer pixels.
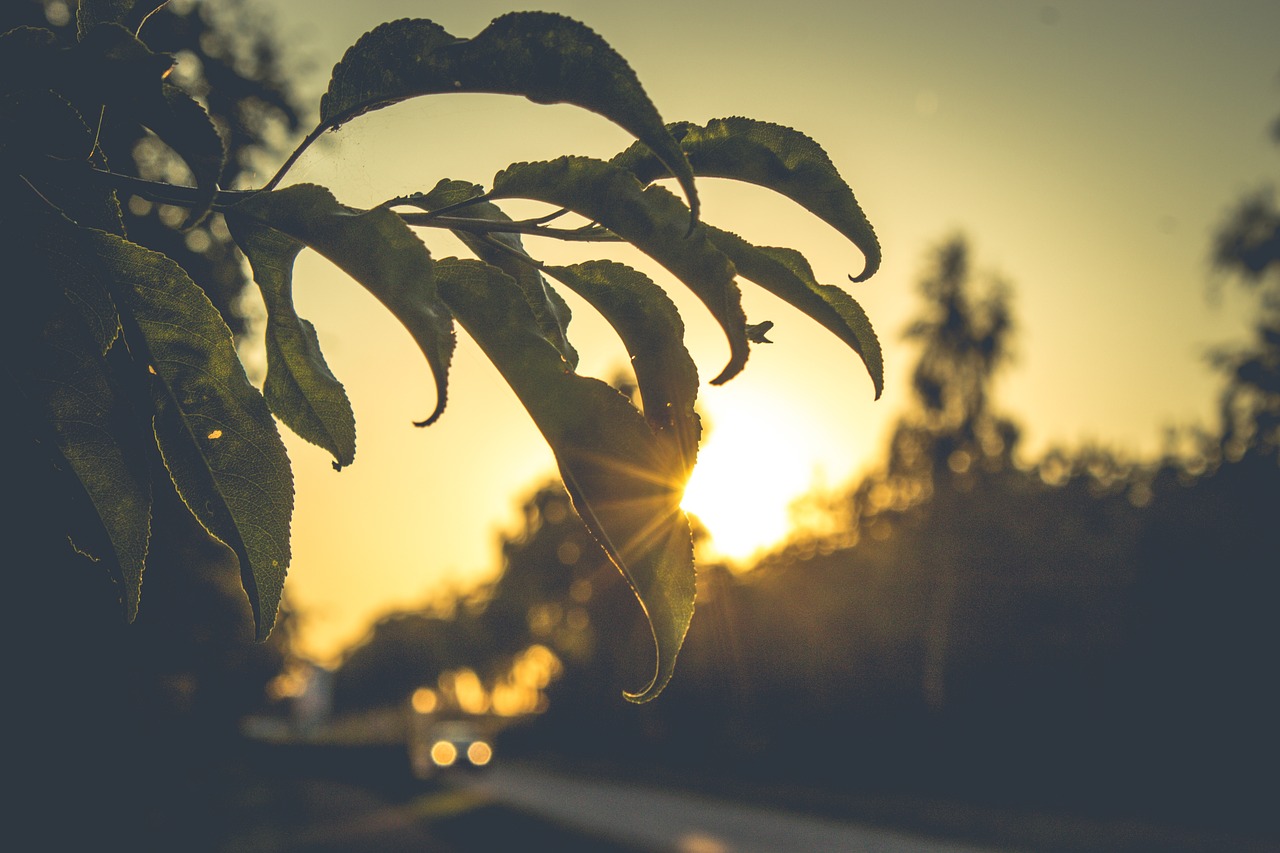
[
  {"x": 299, "y": 387},
  {"x": 773, "y": 156},
  {"x": 545, "y": 57},
  {"x": 375, "y": 248},
  {"x": 786, "y": 274},
  {"x": 649, "y": 325},
  {"x": 625, "y": 482},
  {"x": 129, "y": 13},
  {"x": 216, "y": 435},
  {"x": 550, "y": 310},
  {"x": 651, "y": 219}
]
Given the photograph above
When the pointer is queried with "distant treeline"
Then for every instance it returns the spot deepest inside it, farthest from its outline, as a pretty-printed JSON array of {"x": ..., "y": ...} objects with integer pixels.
[{"x": 1087, "y": 631}]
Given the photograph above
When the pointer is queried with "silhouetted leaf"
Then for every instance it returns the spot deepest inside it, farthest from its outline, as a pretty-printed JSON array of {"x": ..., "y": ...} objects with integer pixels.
[
  {"x": 299, "y": 386},
  {"x": 651, "y": 219},
  {"x": 771, "y": 155},
  {"x": 110, "y": 66},
  {"x": 58, "y": 361},
  {"x": 129, "y": 13},
  {"x": 646, "y": 320},
  {"x": 545, "y": 57},
  {"x": 375, "y": 248},
  {"x": 39, "y": 123},
  {"x": 550, "y": 310},
  {"x": 786, "y": 274},
  {"x": 625, "y": 482},
  {"x": 215, "y": 432}
]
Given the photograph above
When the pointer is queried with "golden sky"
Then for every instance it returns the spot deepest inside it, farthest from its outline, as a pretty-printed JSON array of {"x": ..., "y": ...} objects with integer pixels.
[{"x": 1086, "y": 148}]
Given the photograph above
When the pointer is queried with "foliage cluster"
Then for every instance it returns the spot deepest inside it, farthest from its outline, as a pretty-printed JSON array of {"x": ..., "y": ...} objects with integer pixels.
[
  {"x": 126, "y": 370},
  {"x": 129, "y": 727}
]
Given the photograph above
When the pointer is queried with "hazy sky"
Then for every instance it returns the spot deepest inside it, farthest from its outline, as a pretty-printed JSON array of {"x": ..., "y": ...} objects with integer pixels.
[{"x": 1087, "y": 149}]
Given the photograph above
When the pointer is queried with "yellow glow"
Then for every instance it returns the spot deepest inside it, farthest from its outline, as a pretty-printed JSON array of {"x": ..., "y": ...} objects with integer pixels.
[
  {"x": 443, "y": 753},
  {"x": 468, "y": 691},
  {"x": 510, "y": 700},
  {"x": 938, "y": 102},
  {"x": 425, "y": 700},
  {"x": 479, "y": 753},
  {"x": 752, "y": 468}
]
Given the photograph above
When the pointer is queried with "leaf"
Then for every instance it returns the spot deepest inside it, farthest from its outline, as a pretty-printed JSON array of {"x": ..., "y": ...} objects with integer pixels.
[
  {"x": 58, "y": 361},
  {"x": 649, "y": 325},
  {"x": 110, "y": 66},
  {"x": 650, "y": 219},
  {"x": 129, "y": 13},
  {"x": 299, "y": 386},
  {"x": 39, "y": 123},
  {"x": 59, "y": 262},
  {"x": 550, "y": 310},
  {"x": 185, "y": 126},
  {"x": 375, "y": 248},
  {"x": 216, "y": 435},
  {"x": 786, "y": 274},
  {"x": 625, "y": 482},
  {"x": 773, "y": 156},
  {"x": 545, "y": 57}
]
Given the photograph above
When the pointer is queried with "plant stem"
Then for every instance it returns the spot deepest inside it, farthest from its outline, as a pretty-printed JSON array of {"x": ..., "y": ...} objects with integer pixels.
[
  {"x": 162, "y": 193},
  {"x": 182, "y": 196}
]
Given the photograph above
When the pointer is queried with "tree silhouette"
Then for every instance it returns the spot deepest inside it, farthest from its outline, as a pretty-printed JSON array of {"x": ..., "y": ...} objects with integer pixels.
[{"x": 1247, "y": 248}]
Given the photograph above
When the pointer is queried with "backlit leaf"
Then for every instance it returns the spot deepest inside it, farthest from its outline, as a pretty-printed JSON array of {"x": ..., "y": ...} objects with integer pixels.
[
  {"x": 786, "y": 274},
  {"x": 215, "y": 432},
  {"x": 646, "y": 320},
  {"x": 625, "y": 482},
  {"x": 773, "y": 156},
  {"x": 545, "y": 57},
  {"x": 651, "y": 219},
  {"x": 375, "y": 248},
  {"x": 550, "y": 310},
  {"x": 299, "y": 386}
]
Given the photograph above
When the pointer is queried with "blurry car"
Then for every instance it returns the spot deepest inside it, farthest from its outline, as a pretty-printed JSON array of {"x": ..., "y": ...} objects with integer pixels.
[{"x": 440, "y": 744}]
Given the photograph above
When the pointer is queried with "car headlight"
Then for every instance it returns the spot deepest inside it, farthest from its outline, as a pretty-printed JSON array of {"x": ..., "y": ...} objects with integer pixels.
[
  {"x": 479, "y": 753},
  {"x": 443, "y": 753}
]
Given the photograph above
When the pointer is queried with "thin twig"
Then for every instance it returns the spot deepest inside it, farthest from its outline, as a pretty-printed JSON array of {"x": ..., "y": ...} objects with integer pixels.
[
  {"x": 528, "y": 226},
  {"x": 495, "y": 243},
  {"x": 179, "y": 196}
]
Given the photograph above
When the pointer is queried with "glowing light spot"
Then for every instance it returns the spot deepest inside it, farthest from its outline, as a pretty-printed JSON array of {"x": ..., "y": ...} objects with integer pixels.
[
  {"x": 443, "y": 753},
  {"x": 697, "y": 842},
  {"x": 568, "y": 553},
  {"x": 425, "y": 700},
  {"x": 216, "y": 434},
  {"x": 479, "y": 753},
  {"x": 581, "y": 590}
]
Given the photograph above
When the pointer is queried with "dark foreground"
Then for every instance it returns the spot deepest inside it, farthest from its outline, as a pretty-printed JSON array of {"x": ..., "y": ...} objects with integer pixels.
[{"x": 318, "y": 799}]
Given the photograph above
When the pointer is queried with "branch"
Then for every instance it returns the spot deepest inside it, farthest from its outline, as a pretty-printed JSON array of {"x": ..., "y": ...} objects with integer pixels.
[
  {"x": 182, "y": 196},
  {"x": 163, "y": 193},
  {"x": 588, "y": 234}
]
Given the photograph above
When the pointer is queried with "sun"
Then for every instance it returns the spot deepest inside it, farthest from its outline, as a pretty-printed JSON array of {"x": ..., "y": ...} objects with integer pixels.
[{"x": 750, "y": 471}]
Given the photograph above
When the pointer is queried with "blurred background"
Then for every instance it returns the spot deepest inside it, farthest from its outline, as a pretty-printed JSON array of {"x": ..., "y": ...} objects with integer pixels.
[{"x": 1022, "y": 599}]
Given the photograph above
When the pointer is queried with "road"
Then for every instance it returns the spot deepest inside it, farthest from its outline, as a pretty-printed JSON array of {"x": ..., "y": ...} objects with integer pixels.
[{"x": 671, "y": 822}]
